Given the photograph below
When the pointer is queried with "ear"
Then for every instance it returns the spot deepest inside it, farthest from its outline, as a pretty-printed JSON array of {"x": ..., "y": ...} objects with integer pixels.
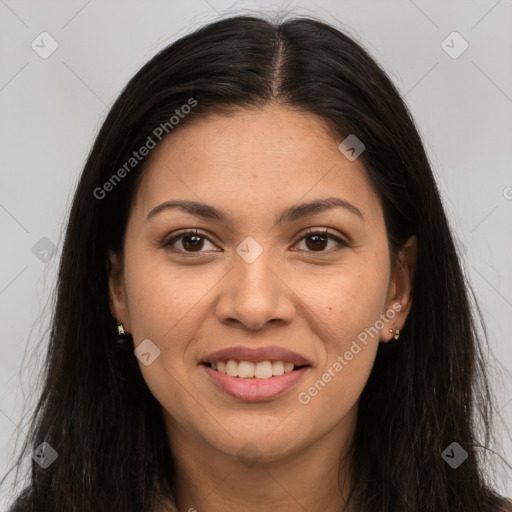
[
  {"x": 117, "y": 290},
  {"x": 400, "y": 298}
]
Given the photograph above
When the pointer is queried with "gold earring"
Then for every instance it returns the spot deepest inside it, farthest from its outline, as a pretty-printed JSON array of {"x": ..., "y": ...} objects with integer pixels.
[
  {"x": 121, "y": 337},
  {"x": 397, "y": 333}
]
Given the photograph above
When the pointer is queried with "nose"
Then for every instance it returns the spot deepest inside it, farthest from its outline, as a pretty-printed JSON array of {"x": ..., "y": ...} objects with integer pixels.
[{"x": 255, "y": 294}]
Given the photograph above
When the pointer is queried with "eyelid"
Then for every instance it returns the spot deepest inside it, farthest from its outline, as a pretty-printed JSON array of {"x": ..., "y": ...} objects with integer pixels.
[{"x": 333, "y": 235}]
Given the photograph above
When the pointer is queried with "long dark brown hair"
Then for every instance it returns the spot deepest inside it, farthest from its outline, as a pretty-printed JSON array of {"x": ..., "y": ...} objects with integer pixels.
[{"x": 425, "y": 391}]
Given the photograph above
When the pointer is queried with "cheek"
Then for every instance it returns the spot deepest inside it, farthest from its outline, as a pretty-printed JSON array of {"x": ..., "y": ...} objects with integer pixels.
[
  {"x": 349, "y": 299},
  {"x": 347, "y": 305},
  {"x": 347, "y": 310},
  {"x": 162, "y": 297},
  {"x": 163, "y": 305}
]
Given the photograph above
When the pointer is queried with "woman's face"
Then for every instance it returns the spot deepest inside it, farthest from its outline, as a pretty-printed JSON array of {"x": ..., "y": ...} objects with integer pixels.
[{"x": 254, "y": 284}]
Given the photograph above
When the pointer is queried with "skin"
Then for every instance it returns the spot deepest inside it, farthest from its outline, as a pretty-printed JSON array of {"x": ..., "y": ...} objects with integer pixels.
[{"x": 252, "y": 165}]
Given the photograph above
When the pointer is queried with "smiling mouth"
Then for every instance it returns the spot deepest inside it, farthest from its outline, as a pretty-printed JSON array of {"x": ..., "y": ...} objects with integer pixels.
[{"x": 249, "y": 370}]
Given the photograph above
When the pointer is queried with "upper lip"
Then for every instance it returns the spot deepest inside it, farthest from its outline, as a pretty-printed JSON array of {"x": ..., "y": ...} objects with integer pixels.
[{"x": 255, "y": 355}]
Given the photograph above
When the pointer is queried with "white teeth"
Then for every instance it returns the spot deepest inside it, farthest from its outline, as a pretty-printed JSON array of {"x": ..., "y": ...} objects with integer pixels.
[
  {"x": 277, "y": 368},
  {"x": 248, "y": 370},
  {"x": 245, "y": 369},
  {"x": 232, "y": 368},
  {"x": 263, "y": 370}
]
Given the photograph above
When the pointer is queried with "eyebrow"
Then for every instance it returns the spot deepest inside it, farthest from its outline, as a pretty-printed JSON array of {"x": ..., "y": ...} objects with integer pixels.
[{"x": 289, "y": 215}]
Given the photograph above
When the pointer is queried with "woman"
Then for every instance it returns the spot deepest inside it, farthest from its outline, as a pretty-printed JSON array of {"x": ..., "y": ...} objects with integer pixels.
[{"x": 260, "y": 305}]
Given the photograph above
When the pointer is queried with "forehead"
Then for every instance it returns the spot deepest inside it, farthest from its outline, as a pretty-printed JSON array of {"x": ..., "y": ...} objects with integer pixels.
[{"x": 252, "y": 159}]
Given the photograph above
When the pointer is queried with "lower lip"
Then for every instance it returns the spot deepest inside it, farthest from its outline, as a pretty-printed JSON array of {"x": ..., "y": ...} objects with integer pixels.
[{"x": 255, "y": 390}]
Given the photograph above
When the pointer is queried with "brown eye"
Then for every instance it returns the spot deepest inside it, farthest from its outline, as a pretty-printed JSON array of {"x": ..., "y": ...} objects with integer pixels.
[
  {"x": 191, "y": 242},
  {"x": 317, "y": 241}
]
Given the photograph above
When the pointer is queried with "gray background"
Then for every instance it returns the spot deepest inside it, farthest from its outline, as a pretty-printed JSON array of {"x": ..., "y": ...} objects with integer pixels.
[{"x": 52, "y": 108}]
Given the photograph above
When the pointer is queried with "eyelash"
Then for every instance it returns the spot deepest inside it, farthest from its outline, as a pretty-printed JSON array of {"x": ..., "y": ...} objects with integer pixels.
[{"x": 168, "y": 242}]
